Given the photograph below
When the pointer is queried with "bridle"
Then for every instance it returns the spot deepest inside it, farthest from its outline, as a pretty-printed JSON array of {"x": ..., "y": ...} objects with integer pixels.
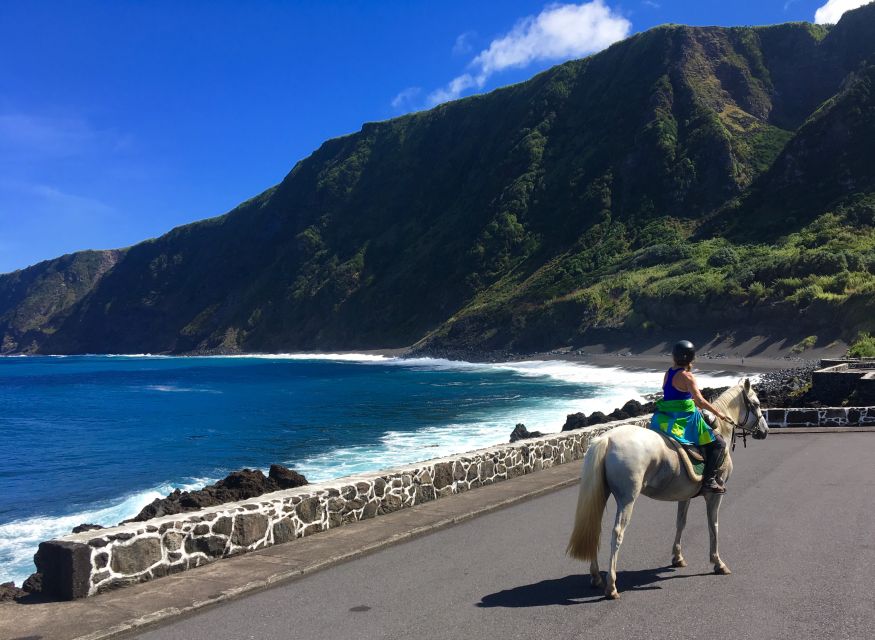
[{"x": 744, "y": 428}]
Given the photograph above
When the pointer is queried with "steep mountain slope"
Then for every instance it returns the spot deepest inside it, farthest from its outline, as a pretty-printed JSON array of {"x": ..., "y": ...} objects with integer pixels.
[
  {"x": 594, "y": 197},
  {"x": 32, "y": 300}
]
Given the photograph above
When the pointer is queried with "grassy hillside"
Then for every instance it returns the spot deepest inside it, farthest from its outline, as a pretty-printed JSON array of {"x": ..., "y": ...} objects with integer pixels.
[{"x": 685, "y": 177}]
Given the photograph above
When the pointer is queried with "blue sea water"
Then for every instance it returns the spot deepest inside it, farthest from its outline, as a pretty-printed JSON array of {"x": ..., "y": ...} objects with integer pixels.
[{"x": 96, "y": 438}]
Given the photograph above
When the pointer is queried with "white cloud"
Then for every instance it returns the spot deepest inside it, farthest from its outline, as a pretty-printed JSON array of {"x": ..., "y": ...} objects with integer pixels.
[
  {"x": 57, "y": 201},
  {"x": 24, "y": 136},
  {"x": 654, "y": 5},
  {"x": 559, "y": 32},
  {"x": 406, "y": 97},
  {"x": 833, "y": 10},
  {"x": 464, "y": 44}
]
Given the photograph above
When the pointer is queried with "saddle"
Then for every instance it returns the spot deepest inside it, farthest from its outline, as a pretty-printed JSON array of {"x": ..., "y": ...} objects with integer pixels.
[{"x": 690, "y": 456}]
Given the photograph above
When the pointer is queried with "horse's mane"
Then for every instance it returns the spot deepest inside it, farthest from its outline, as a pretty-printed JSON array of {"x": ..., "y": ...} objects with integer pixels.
[{"x": 726, "y": 398}]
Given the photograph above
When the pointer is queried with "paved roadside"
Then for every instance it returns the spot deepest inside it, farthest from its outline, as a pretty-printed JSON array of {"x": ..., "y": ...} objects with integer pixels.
[
  {"x": 795, "y": 528},
  {"x": 135, "y": 607}
]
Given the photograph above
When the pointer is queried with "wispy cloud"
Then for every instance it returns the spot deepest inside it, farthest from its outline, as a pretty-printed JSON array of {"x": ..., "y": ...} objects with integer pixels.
[
  {"x": 559, "y": 32},
  {"x": 406, "y": 98},
  {"x": 27, "y": 135},
  {"x": 833, "y": 10},
  {"x": 656, "y": 5},
  {"x": 47, "y": 197},
  {"x": 464, "y": 43}
]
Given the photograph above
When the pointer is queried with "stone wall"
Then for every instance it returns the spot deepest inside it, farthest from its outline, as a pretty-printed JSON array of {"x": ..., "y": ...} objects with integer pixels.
[
  {"x": 839, "y": 379},
  {"x": 821, "y": 417},
  {"x": 95, "y": 561}
]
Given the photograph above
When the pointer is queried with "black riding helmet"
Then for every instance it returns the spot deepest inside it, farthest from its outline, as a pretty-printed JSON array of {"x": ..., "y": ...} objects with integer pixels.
[{"x": 683, "y": 352}]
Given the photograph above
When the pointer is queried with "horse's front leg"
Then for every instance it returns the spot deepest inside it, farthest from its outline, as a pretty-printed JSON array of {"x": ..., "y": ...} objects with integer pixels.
[
  {"x": 712, "y": 502},
  {"x": 624, "y": 514},
  {"x": 677, "y": 558}
]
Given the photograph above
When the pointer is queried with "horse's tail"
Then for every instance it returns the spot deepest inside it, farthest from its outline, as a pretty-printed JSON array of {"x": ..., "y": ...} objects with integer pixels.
[{"x": 584, "y": 542}]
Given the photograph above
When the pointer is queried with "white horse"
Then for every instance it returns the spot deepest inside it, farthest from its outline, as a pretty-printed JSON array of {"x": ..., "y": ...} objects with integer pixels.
[{"x": 630, "y": 460}]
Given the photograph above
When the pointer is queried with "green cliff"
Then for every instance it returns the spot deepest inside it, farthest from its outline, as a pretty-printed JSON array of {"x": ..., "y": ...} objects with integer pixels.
[{"x": 685, "y": 178}]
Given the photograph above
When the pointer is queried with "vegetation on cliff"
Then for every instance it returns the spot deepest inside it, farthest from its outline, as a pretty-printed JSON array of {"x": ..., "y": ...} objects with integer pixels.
[{"x": 685, "y": 177}]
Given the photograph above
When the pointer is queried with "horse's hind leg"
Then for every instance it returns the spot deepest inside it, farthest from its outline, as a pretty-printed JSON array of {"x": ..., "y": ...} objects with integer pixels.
[
  {"x": 712, "y": 502},
  {"x": 677, "y": 558},
  {"x": 596, "y": 577},
  {"x": 624, "y": 514}
]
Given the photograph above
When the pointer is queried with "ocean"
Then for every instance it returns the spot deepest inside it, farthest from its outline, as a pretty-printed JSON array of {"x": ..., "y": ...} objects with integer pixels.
[{"x": 95, "y": 438}]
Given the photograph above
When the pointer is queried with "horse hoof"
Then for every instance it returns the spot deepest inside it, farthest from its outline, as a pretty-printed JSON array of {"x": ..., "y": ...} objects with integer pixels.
[
  {"x": 679, "y": 562},
  {"x": 613, "y": 595},
  {"x": 722, "y": 570}
]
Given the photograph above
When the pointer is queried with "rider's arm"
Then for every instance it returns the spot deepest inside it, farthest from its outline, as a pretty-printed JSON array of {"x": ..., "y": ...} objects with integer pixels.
[{"x": 698, "y": 398}]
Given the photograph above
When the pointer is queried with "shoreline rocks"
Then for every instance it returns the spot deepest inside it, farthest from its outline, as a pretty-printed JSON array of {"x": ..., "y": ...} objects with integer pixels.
[
  {"x": 632, "y": 409},
  {"x": 8, "y": 591},
  {"x": 521, "y": 433},
  {"x": 239, "y": 485}
]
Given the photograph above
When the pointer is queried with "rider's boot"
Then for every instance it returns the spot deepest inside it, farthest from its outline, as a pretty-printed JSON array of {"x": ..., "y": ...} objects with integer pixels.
[{"x": 713, "y": 459}]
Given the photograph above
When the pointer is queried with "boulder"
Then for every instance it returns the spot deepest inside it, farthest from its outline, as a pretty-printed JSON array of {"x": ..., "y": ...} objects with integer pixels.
[
  {"x": 286, "y": 478},
  {"x": 575, "y": 421},
  {"x": 597, "y": 417},
  {"x": 521, "y": 433}
]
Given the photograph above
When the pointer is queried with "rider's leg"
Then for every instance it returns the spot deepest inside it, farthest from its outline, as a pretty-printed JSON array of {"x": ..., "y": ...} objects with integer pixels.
[{"x": 714, "y": 453}]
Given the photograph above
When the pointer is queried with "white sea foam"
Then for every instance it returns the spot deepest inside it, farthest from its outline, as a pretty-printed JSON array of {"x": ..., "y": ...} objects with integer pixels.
[
  {"x": 19, "y": 539},
  {"x": 611, "y": 388},
  {"x": 169, "y": 388}
]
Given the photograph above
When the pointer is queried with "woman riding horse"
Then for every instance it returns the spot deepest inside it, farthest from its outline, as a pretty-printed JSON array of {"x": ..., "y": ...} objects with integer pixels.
[{"x": 677, "y": 415}]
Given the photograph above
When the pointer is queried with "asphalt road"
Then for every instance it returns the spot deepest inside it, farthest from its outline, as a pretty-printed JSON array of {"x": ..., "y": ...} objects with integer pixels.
[{"x": 797, "y": 529}]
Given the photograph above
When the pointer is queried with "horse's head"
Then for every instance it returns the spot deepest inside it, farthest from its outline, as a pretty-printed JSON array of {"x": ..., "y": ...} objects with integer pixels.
[{"x": 753, "y": 421}]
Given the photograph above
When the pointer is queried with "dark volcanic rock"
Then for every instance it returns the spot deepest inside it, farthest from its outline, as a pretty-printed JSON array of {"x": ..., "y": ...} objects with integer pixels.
[
  {"x": 86, "y": 527},
  {"x": 136, "y": 556},
  {"x": 286, "y": 478},
  {"x": 575, "y": 421},
  {"x": 239, "y": 485},
  {"x": 34, "y": 583},
  {"x": 521, "y": 433},
  {"x": 597, "y": 417},
  {"x": 8, "y": 591},
  {"x": 632, "y": 409},
  {"x": 788, "y": 388}
]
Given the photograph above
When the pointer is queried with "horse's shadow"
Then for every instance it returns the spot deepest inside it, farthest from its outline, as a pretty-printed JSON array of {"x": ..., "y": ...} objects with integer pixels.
[{"x": 576, "y": 589}]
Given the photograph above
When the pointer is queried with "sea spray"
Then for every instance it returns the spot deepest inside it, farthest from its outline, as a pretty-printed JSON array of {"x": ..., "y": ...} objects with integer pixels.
[{"x": 19, "y": 539}]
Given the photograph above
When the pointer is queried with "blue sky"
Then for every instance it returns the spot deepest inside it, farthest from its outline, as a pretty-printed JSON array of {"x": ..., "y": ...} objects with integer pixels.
[{"x": 120, "y": 120}]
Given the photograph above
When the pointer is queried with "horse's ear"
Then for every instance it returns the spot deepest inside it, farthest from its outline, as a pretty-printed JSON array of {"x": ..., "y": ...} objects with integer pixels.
[{"x": 747, "y": 384}]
